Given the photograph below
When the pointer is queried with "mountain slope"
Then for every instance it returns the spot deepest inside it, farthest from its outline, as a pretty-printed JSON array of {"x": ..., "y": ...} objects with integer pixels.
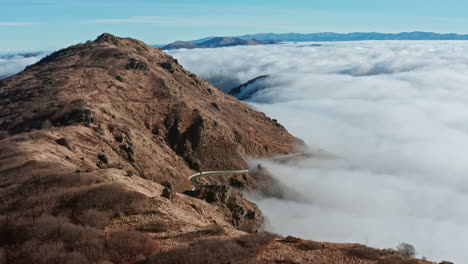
[
  {"x": 246, "y": 90},
  {"x": 138, "y": 107}
]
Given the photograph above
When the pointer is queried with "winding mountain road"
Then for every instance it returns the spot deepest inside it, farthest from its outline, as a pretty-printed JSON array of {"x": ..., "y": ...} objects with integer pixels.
[{"x": 196, "y": 186}]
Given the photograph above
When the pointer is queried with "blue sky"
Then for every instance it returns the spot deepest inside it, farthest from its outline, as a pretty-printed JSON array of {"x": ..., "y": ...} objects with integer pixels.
[{"x": 52, "y": 24}]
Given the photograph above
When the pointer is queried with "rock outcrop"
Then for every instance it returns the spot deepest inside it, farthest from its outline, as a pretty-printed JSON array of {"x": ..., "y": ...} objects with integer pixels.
[{"x": 244, "y": 214}]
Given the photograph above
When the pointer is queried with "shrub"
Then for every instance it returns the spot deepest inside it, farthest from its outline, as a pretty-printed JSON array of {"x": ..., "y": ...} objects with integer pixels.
[
  {"x": 3, "y": 256},
  {"x": 35, "y": 251},
  {"x": 398, "y": 260},
  {"x": 211, "y": 251},
  {"x": 54, "y": 216},
  {"x": 365, "y": 252},
  {"x": 214, "y": 251},
  {"x": 257, "y": 241},
  {"x": 130, "y": 245},
  {"x": 156, "y": 226},
  {"x": 106, "y": 197},
  {"x": 291, "y": 239},
  {"x": 214, "y": 229},
  {"x": 311, "y": 245},
  {"x": 406, "y": 250},
  {"x": 95, "y": 218}
]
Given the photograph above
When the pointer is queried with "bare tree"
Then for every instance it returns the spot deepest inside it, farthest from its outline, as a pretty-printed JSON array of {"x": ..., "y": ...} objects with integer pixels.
[{"x": 406, "y": 250}]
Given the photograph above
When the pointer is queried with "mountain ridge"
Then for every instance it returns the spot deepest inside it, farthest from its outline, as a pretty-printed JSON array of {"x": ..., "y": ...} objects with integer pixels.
[
  {"x": 356, "y": 36},
  {"x": 216, "y": 42},
  {"x": 353, "y": 36}
]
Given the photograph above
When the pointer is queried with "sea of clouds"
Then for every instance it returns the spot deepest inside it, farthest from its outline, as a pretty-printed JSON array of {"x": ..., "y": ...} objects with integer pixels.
[
  {"x": 395, "y": 115},
  {"x": 13, "y": 63}
]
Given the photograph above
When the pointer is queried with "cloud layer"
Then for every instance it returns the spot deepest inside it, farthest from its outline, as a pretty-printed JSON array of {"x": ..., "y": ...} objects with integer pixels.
[
  {"x": 12, "y": 64},
  {"x": 395, "y": 113}
]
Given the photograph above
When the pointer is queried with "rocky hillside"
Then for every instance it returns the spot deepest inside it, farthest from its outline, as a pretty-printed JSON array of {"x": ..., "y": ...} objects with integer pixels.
[{"x": 118, "y": 104}]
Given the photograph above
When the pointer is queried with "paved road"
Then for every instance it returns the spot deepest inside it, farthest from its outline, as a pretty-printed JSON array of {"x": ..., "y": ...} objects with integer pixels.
[{"x": 196, "y": 186}]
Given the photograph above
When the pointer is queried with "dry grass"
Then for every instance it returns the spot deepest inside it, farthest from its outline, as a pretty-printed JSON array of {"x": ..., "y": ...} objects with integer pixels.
[
  {"x": 364, "y": 252},
  {"x": 398, "y": 260},
  {"x": 214, "y": 230},
  {"x": 56, "y": 216},
  {"x": 156, "y": 226},
  {"x": 130, "y": 246},
  {"x": 214, "y": 251},
  {"x": 95, "y": 218}
]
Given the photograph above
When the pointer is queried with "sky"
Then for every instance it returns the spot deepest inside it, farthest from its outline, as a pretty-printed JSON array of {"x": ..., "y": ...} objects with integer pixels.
[{"x": 52, "y": 24}]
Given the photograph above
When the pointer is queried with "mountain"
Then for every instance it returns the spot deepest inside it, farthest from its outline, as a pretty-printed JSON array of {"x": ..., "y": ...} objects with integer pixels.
[
  {"x": 181, "y": 45},
  {"x": 102, "y": 136},
  {"x": 330, "y": 36},
  {"x": 140, "y": 108},
  {"x": 246, "y": 90},
  {"x": 197, "y": 41},
  {"x": 217, "y": 42},
  {"x": 96, "y": 143}
]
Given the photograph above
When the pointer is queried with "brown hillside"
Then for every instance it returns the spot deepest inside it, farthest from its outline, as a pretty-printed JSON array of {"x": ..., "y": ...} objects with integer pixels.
[{"x": 119, "y": 103}]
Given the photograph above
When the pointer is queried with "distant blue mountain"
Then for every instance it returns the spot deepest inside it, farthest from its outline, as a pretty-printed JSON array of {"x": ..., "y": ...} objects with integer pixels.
[
  {"x": 217, "y": 42},
  {"x": 198, "y": 41},
  {"x": 330, "y": 36}
]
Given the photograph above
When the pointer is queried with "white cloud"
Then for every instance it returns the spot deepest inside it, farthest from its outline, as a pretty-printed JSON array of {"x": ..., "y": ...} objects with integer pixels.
[
  {"x": 18, "y": 24},
  {"x": 130, "y": 20},
  {"x": 12, "y": 64},
  {"x": 396, "y": 115}
]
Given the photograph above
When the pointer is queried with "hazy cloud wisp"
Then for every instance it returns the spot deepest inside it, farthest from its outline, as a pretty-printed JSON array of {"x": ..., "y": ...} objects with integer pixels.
[
  {"x": 395, "y": 113},
  {"x": 12, "y": 64}
]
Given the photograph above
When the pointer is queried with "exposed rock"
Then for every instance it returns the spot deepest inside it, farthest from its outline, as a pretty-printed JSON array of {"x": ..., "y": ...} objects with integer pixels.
[
  {"x": 244, "y": 214},
  {"x": 138, "y": 65},
  {"x": 106, "y": 37},
  {"x": 168, "y": 190},
  {"x": 103, "y": 158},
  {"x": 64, "y": 142},
  {"x": 120, "y": 78},
  {"x": 167, "y": 66}
]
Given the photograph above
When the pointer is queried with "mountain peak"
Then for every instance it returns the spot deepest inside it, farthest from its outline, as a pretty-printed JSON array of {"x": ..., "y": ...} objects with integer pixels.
[{"x": 107, "y": 37}]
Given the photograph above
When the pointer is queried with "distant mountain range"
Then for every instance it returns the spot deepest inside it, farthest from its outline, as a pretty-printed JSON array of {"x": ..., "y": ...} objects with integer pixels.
[
  {"x": 329, "y": 36},
  {"x": 273, "y": 38},
  {"x": 216, "y": 42}
]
